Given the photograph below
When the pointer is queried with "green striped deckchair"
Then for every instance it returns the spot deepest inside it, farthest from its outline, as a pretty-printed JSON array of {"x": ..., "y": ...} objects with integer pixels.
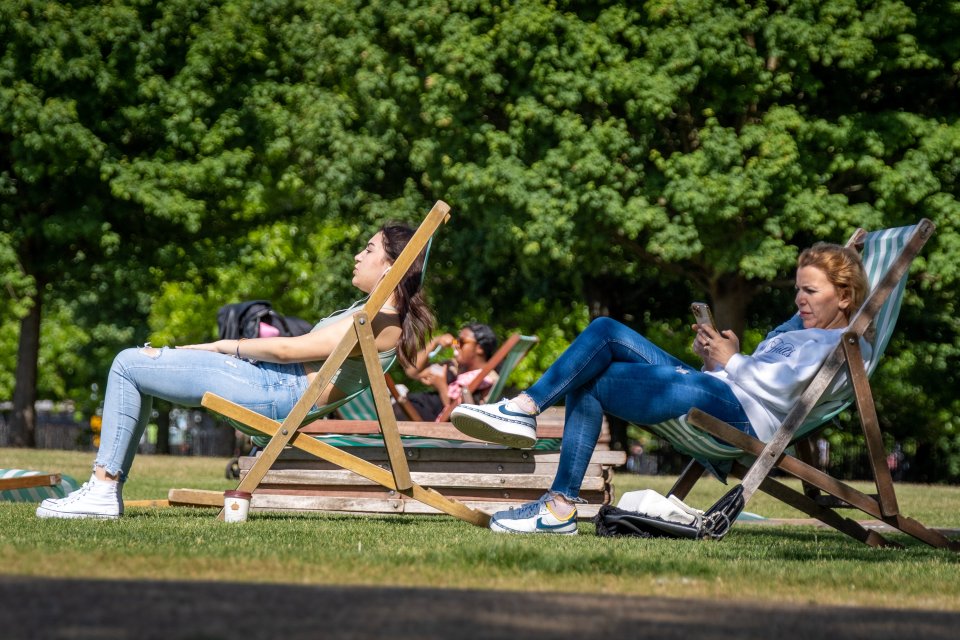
[
  {"x": 360, "y": 407},
  {"x": 287, "y": 431},
  {"x": 22, "y": 485},
  {"x": 880, "y": 250},
  {"x": 517, "y": 347},
  {"x": 887, "y": 256}
]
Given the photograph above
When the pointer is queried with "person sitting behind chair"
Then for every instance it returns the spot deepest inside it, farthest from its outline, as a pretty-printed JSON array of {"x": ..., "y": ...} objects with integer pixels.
[
  {"x": 609, "y": 368},
  {"x": 471, "y": 350},
  {"x": 266, "y": 375}
]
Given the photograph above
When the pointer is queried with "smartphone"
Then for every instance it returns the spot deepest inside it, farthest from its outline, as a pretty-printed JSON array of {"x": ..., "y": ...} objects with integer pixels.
[{"x": 702, "y": 314}]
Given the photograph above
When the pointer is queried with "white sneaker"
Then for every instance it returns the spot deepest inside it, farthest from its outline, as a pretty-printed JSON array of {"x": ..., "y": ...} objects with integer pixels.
[
  {"x": 497, "y": 424},
  {"x": 534, "y": 517},
  {"x": 95, "y": 499}
]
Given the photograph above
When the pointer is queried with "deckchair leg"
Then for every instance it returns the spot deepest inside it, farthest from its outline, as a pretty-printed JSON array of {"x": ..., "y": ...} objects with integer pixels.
[
  {"x": 345, "y": 460},
  {"x": 821, "y": 480},
  {"x": 30, "y": 482},
  {"x": 829, "y": 517},
  {"x": 378, "y": 387},
  {"x": 687, "y": 480},
  {"x": 867, "y": 411}
]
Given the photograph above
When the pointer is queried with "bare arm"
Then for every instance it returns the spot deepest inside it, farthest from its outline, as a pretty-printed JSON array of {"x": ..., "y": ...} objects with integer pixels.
[
  {"x": 436, "y": 377},
  {"x": 423, "y": 356},
  {"x": 317, "y": 345}
]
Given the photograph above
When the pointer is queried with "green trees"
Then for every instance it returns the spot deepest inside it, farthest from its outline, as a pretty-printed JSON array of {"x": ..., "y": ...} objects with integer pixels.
[{"x": 601, "y": 158}]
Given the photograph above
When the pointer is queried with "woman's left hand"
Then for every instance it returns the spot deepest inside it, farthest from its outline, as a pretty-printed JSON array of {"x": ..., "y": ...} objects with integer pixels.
[
  {"x": 216, "y": 347},
  {"x": 715, "y": 348}
]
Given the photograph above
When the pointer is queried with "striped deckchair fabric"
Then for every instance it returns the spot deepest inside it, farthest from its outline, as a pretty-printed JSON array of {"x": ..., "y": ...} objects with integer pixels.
[
  {"x": 360, "y": 407},
  {"x": 880, "y": 249},
  {"x": 510, "y": 361},
  {"x": 22, "y": 485},
  {"x": 361, "y": 396}
]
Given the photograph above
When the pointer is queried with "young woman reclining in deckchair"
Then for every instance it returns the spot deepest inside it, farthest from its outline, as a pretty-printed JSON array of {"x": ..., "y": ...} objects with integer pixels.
[
  {"x": 610, "y": 368},
  {"x": 267, "y": 375}
]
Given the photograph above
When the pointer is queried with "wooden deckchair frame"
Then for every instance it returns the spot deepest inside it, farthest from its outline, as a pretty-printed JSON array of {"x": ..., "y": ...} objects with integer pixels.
[
  {"x": 287, "y": 433},
  {"x": 30, "y": 482},
  {"x": 882, "y": 506}
]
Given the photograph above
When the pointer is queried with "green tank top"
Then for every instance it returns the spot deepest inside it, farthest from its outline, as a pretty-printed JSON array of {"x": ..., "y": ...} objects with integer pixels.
[{"x": 352, "y": 374}]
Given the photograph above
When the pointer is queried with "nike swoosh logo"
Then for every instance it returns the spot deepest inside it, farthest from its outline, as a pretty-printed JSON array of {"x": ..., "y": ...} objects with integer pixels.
[
  {"x": 543, "y": 525},
  {"x": 503, "y": 409}
]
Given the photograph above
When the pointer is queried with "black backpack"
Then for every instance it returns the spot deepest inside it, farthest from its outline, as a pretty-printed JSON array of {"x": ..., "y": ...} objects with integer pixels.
[
  {"x": 716, "y": 522},
  {"x": 242, "y": 320}
]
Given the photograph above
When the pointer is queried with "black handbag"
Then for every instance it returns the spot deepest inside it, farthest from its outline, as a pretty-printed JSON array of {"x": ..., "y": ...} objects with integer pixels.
[{"x": 715, "y": 523}]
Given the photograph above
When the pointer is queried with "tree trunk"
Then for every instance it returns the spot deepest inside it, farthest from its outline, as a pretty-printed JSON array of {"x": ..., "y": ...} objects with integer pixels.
[
  {"x": 23, "y": 424},
  {"x": 731, "y": 296}
]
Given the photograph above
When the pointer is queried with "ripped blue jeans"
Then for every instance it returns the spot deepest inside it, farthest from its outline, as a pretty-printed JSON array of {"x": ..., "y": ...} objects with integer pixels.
[
  {"x": 182, "y": 376},
  {"x": 610, "y": 368}
]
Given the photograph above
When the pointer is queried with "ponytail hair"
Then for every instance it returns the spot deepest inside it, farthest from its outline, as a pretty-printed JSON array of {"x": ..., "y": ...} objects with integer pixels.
[{"x": 416, "y": 317}]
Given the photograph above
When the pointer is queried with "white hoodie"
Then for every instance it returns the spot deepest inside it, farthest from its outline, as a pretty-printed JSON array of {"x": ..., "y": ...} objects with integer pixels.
[{"x": 769, "y": 382}]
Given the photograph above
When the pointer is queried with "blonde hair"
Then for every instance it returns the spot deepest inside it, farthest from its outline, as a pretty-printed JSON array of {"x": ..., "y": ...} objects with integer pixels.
[{"x": 843, "y": 269}]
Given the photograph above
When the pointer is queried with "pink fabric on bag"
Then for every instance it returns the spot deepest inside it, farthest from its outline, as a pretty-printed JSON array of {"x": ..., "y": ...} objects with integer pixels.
[{"x": 268, "y": 330}]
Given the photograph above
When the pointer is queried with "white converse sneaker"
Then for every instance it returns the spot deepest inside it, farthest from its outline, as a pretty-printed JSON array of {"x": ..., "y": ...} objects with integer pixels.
[
  {"x": 95, "y": 499},
  {"x": 496, "y": 423}
]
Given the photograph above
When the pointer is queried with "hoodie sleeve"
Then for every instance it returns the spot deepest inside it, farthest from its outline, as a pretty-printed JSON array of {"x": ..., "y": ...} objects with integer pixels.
[{"x": 778, "y": 372}]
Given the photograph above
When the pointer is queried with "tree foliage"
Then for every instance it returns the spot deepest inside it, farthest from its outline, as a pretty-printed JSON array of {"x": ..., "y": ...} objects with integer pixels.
[{"x": 612, "y": 158}]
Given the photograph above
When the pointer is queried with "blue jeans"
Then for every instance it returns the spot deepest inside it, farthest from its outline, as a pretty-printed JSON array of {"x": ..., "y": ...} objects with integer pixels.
[
  {"x": 609, "y": 368},
  {"x": 182, "y": 376}
]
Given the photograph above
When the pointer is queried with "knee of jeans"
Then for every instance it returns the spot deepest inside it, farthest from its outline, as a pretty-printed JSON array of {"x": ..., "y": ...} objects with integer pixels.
[
  {"x": 150, "y": 352},
  {"x": 603, "y": 324},
  {"x": 132, "y": 355}
]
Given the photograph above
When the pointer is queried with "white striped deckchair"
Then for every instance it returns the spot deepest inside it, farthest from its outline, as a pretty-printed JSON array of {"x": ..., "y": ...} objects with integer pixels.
[{"x": 887, "y": 255}]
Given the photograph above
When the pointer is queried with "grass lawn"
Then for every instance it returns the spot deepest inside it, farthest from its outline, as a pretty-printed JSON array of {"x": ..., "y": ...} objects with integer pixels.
[{"x": 775, "y": 564}]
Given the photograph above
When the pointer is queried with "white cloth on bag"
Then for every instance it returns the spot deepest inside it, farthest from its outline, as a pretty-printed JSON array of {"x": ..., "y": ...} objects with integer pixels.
[{"x": 650, "y": 503}]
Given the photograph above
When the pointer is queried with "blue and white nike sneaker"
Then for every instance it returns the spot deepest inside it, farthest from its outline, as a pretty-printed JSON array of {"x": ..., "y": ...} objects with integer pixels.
[
  {"x": 534, "y": 517},
  {"x": 496, "y": 423}
]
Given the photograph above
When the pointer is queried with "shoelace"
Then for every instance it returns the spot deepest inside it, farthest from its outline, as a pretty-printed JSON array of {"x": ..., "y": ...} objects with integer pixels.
[
  {"x": 532, "y": 509},
  {"x": 529, "y": 510},
  {"x": 75, "y": 495}
]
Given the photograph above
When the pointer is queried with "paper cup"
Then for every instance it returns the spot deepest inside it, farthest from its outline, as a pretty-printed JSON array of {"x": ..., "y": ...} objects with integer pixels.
[{"x": 236, "y": 505}]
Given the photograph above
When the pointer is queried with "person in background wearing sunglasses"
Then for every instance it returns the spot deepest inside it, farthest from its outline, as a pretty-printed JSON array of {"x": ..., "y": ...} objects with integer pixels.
[{"x": 471, "y": 349}]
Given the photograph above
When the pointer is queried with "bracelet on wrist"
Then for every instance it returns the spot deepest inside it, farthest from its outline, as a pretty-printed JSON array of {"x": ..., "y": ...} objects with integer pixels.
[{"x": 238, "y": 347}]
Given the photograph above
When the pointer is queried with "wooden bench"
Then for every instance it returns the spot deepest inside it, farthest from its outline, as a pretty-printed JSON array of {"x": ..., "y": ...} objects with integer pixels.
[{"x": 482, "y": 476}]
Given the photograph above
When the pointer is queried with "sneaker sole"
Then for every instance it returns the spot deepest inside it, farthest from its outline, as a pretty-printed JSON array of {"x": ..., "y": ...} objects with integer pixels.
[
  {"x": 472, "y": 426},
  {"x": 43, "y": 512},
  {"x": 496, "y": 527}
]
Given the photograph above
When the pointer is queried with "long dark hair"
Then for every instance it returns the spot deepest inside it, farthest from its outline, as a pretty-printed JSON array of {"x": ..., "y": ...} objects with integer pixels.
[{"x": 416, "y": 317}]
